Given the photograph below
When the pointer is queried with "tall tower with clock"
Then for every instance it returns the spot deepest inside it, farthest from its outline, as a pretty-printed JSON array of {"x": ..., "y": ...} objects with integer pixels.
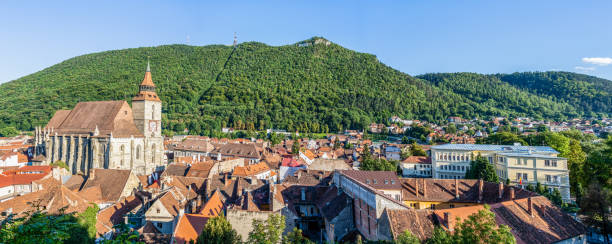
[{"x": 146, "y": 108}]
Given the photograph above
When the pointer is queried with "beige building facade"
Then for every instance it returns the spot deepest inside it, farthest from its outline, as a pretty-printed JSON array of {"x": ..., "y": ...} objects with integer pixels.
[{"x": 522, "y": 165}]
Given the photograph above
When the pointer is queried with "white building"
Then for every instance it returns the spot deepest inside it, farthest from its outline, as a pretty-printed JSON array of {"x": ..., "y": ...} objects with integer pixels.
[{"x": 521, "y": 164}]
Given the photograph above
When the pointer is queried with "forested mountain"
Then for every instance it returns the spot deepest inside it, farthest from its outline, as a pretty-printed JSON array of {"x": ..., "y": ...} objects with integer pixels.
[{"x": 310, "y": 86}]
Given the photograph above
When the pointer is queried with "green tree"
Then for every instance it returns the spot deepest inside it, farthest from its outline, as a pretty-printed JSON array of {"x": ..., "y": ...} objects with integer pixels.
[
  {"x": 451, "y": 129},
  {"x": 123, "y": 234},
  {"x": 295, "y": 148},
  {"x": 407, "y": 238},
  {"x": 39, "y": 227},
  {"x": 218, "y": 231},
  {"x": 9, "y": 131},
  {"x": 481, "y": 169},
  {"x": 417, "y": 150},
  {"x": 440, "y": 236},
  {"x": 296, "y": 237},
  {"x": 502, "y": 138},
  {"x": 405, "y": 140},
  {"x": 269, "y": 231},
  {"x": 595, "y": 206},
  {"x": 482, "y": 228}
]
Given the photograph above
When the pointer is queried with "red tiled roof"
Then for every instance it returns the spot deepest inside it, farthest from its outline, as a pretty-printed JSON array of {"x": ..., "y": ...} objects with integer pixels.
[
  {"x": 417, "y": 160},
  {"x": 291, "y": 162}
]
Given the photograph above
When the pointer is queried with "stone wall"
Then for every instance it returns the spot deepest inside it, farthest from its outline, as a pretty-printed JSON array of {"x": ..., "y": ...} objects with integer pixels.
[{"x": 242, "y": 220}]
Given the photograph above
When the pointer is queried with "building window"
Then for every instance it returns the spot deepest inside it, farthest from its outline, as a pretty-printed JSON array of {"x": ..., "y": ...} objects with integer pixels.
[
  {"x": 554, "y": 163},
  {"x": 158, "y": 211},
  {"x": 546, "y": 162},
  {"x": 452, "y": 205},
  {"x": 159, "y": 225},
  {"x": 548, "y": 178}
]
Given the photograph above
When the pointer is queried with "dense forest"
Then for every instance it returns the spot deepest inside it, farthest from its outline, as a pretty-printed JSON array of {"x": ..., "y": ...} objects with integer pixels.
[{"x": 310, "y": 86}]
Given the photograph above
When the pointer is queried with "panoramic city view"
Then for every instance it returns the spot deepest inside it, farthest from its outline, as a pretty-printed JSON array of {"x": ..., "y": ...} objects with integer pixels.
[{"x": 305, "y": 122}]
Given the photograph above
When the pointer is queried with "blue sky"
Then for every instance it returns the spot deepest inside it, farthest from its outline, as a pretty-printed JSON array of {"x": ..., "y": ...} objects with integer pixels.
[{"x": 415, "y": 37}]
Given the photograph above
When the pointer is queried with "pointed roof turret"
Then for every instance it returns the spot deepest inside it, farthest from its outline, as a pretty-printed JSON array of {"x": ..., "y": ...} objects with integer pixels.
[
  {"x": 147, "y": 87},
  {"x": 147, "y": 80}
]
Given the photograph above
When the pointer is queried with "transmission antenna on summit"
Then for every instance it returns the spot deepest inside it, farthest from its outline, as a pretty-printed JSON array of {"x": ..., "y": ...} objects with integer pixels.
[{"x": 235, "y": 40}]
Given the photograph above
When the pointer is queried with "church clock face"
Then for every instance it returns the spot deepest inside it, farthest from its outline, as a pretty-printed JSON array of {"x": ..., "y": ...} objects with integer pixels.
[{"x": 152, "y": 126}]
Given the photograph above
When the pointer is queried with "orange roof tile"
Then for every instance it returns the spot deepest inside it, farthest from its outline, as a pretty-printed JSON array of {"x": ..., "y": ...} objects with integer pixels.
[
  {"x": 309, "y": 154},
  {"x": 213, "y": 206},
  {"x": 251, "y": 170},
  {"x": 189, "y": 227}
]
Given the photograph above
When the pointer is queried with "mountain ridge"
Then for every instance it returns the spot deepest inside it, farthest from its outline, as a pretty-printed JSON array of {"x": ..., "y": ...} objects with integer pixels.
[{"x": 316, "y": 87}]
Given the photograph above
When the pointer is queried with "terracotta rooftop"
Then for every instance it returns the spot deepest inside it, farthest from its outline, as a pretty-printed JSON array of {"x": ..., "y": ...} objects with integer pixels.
[
  {"x": 201, "y": 169},
  {"x": 420, "y": 223},
  {"x": 380, "y": 180},
  {"x": 417, "y": 160},
  {"x": 189, "y": 227},
  {"x": 443, "y": 190},
  {"x": 196, "y": 145},
  {"x": 111, "y": 182},
  {"x": 113, "y": 215},
  {"x": 108, "y": 116},
  {"x": 251, "y": 170},
  {"x": 309, "y": 154},
  {"x": 238, "y": 150},
  {"x": 52, "y": 198},
  {"x": 175, "y": 169}
]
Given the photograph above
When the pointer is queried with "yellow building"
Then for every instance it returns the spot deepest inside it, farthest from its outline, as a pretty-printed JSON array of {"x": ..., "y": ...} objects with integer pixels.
[{"x": 521, "y": 164}]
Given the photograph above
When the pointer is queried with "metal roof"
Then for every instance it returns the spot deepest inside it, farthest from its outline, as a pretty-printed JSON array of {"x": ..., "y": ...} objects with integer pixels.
[{"x": 500, "y": 148}]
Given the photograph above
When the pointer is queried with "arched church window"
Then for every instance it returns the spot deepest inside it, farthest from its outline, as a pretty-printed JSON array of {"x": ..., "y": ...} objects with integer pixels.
[
  {"x": 122, "y": 153},
  {"x": 153, "y": 151},
  {"x": 138, "y": 152}
]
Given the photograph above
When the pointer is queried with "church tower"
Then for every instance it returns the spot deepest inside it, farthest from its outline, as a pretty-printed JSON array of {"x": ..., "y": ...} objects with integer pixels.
[{"x": 146, "y": 107}]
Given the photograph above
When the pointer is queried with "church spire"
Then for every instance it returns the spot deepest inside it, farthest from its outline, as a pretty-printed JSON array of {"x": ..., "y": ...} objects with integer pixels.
[{"x": 147, "y": 81}]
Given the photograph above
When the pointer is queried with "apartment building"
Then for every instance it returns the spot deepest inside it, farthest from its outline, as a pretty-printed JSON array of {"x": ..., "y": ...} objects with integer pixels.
[{"x": 523, "y": 165}]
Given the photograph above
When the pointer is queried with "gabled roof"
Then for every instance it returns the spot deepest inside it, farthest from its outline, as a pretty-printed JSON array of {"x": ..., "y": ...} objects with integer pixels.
[
  {"x": 417, "y": 160},
  {"x": 251, "y": 170},
  {"x": 443, "y": 190},
  {"x": 175, "y": 169},
  {"x": 419, "y": 222},
  {"x": 52, "y": 197},
  {"x": 113, "y": 215},
  {"x": 238, "y": 150},
  {"x": 201, "y": 169},
  {"x": 111, "y": 182},
  {"x": 380, "y": 180},
  {"x": 214, "y": 205},
  {"x": 189, "y": 227},
  {"x": 108, "y": 116},
  {"x": 548, "y": 224}
]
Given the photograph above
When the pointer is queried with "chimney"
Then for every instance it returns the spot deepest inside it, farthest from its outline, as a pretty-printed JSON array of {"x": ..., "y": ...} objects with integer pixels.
[
  {"x": 125, "y": 220},
  {"x": 225, "y": 181},
  {"x": 511, "y": 193},
  {"x": 448, "y": 218},
  {"x": 529, "y": 207},
  {"x": 207, "y": 188},
  {"x": 456, "y": 189},
  {"x": 181, "y": 210},
  {"x": 200, "y": 200},
  {"x": 194, "y": 206},
  {"x": 500, "y": 190},
  {"x": 480, "y": 187},
  {"x": 416, "y": 186},
  {"x": 424, "y": 188},
  {"x": 299, "y": 174}
]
